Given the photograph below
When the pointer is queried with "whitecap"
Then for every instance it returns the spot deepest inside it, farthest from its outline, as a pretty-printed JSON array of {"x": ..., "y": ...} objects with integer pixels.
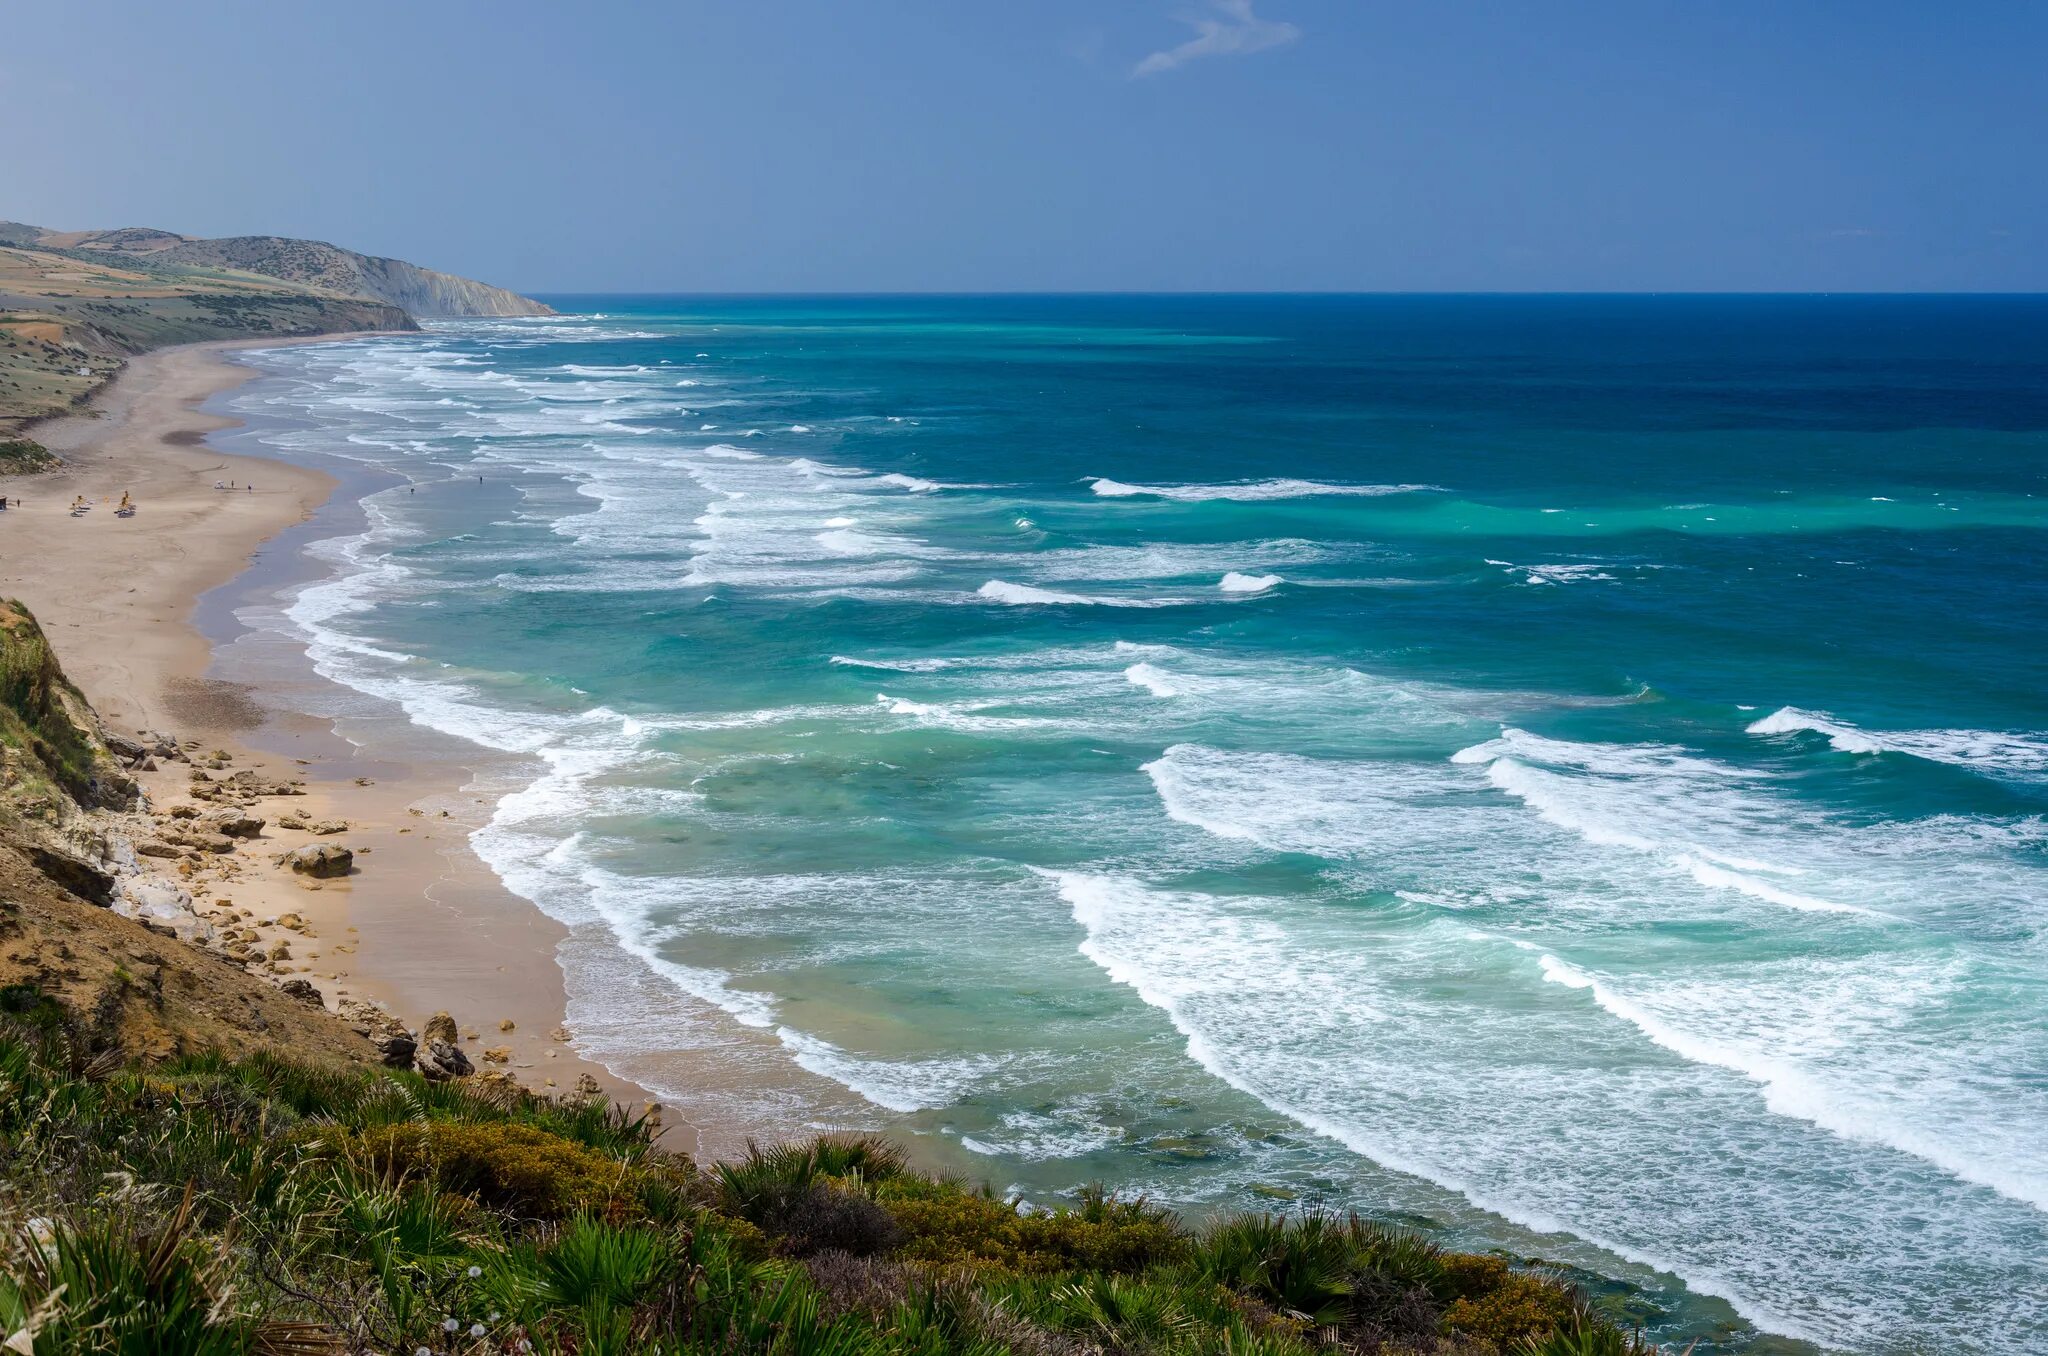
[
  {"x": 1250, "y": 490},
  {"x": 1990, "y": 751},
  {"x": 1024, "y": 595}
]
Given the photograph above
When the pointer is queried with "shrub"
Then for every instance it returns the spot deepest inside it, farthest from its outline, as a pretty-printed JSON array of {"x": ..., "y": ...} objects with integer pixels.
[
  {"x": 1403, "y": 1257},
  {"x": 386, "y": 1209},
  {"x": 850, "y": 1284},
  {"x": 946, "y": 1224},
  {"x": 505, "y": 1165},
  {"x": 819, "y": 1218},
  {"x": 812, "y": 1196},
  {"x": 1521, "y": 1308}
]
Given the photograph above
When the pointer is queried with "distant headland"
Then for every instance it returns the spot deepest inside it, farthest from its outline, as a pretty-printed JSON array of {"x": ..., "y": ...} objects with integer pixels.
[{"x": 74, "y": 305}]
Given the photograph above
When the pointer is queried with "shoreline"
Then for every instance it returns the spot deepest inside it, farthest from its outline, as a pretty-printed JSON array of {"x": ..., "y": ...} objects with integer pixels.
[{"x": 422, "y": 925}]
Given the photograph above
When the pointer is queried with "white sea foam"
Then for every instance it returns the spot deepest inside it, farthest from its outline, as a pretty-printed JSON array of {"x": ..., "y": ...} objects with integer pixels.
[
  {"x": 1024, "y": 595},
  {"x": 1990, "y": 751},
  {"x": 1255, "y": 1008},
  {"x": 1249, "y": 491},
  {"x": 1248, "y": 583},
  {"x": 1983, "y": 1146},
  {"x": 893, "y": 1084},
  {"x": 1636, "y": 797},
  {"x": 962, "y": 716},
  {"x": 1570, "y": 572},
  {"x": 1064, "y": 1131},
  {"x": 1172, "y": 560},
  {"x": 1152, "y": 679},
  {"x": 894, "y": 665}
]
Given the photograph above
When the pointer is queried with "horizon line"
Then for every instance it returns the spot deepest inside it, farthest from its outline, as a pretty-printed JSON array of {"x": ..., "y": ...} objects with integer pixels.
[{"x": 1276, "y": 292}]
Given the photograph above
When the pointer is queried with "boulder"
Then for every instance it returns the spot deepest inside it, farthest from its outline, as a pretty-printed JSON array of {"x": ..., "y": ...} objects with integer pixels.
[
  {"x": 233, "y": 824},
  {"x": 438, "y": 1061},
  {"x": 324, "y": 827},
  {"x": 194, "y": 836},
  {"x": 114, "y": 791},
  {"x": 88, "y": 880},
  {"x": 440, "y": 1027},
  {"x": 319, "y": 859},
  {"x": 394, "y": 1044},
  {"x": 304, "y": 991},
  {"x": 163, "y": 905}
]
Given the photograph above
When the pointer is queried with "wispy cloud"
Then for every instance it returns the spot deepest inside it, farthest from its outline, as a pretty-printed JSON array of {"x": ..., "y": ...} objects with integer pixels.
[{"x": 1230, "y": 30}]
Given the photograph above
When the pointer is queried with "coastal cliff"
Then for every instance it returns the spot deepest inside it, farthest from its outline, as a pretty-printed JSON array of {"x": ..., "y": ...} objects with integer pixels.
[
  {"x": 74, "y": 305},
  {"x": 87, "y": 933},
  {"x": 68, "y": 322},
  {"x": 419, "y": 292}
]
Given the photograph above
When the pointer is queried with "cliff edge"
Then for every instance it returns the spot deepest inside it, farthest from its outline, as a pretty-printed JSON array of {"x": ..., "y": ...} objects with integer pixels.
[{"x": 419, "y": 292}]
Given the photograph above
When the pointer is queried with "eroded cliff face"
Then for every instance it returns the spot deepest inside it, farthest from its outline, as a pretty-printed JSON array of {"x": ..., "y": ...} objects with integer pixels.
[
  {"x": 110, "y": 938},
  {"x": 418, "y": 291},
  {"x": 52, "y": 754},
  {"x": 308, "y": 263}
]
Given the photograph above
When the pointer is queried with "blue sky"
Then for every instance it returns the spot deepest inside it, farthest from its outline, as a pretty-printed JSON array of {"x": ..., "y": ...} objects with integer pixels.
[{"x": 1061, "y": 144}]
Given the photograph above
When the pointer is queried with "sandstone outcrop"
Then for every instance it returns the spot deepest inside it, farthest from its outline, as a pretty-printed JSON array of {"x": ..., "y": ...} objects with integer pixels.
[{"x": 321, "y": 860}]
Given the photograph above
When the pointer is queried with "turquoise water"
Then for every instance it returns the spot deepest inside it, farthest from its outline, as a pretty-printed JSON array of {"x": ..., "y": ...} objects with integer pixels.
[{"x": 1567, "y": 771}]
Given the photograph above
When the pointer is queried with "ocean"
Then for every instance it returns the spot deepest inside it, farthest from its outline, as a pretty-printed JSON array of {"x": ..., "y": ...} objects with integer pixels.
[{"x": 1567, "y": 772}]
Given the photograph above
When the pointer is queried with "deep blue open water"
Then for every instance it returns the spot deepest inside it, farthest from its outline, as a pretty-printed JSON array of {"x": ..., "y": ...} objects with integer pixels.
[{"x": 1568, "y": 771}]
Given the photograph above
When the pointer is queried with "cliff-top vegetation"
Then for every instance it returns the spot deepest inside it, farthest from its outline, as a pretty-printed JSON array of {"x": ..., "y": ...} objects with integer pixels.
[{"x": 262, "y": 1205}]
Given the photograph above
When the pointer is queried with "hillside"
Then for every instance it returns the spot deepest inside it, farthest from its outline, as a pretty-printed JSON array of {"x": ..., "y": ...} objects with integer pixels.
[
  {"x": 420, "y": 292},
  {"x": 67, "y": 322},
  {"x": 75, "y": 304},
  {"x": 84, "y": 930}
]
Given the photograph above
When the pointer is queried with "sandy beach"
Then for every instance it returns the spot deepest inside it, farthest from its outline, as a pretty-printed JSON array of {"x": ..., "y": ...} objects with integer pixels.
[{"x": 421, "y": 925}]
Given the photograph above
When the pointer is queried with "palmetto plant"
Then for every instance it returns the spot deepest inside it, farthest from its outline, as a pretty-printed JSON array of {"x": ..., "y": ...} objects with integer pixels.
[
  {"x": 1122, "y": 1312},
  {"x": 1301, "y": 1266},
  {"x": 102, "y": 1287},
  {"x": 1586, "y": 1337},
  {"x": 412, "y": 1238},
  {"x": 589, "y": 1282}
]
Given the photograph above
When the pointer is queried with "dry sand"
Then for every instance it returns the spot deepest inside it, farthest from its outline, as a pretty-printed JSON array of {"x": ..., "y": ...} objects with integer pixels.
[{"x": 422, "y": 925}]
